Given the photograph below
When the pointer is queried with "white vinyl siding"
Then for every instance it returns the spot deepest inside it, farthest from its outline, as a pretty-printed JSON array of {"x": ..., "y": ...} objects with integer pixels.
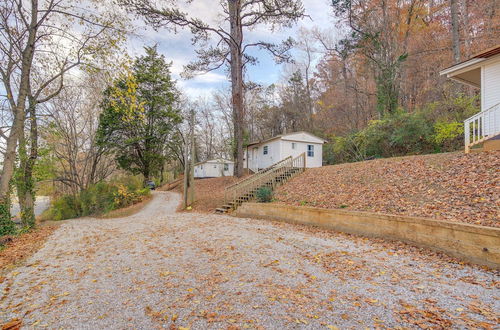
[
  {"x": 214, "y": 169},
  {"x": 491, "y": 85},
  {"x": 278, "y": 149}
]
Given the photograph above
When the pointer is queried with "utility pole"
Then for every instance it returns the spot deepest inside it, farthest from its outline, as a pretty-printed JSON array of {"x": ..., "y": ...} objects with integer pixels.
[
  {"x": 186, "y": 174},
  {"x": 193, "y": 158}
]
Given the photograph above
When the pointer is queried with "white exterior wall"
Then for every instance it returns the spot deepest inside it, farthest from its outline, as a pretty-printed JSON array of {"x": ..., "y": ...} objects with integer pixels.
[
  {"x": 257, "y": 159},
  {"x": 301, "y": 147},
  {"x": 213, "y": 170},
  {"x": 281, "y": 148},
  {"x": 490, "y": 91}
]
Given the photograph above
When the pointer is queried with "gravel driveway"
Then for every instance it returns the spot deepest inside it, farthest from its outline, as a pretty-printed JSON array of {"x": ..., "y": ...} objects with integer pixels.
[{"x": 159, "y": 268}]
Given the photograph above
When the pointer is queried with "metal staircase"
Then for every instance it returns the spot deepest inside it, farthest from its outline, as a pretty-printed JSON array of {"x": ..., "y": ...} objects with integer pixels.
[{"x": 272, "y": 177}]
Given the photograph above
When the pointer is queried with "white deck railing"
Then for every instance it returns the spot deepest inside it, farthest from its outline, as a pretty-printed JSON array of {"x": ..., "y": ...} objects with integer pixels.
[{"x": 482, "y": 126}]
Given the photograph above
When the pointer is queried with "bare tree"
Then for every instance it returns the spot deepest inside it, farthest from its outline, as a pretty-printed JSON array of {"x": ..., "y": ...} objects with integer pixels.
[
  {"x": 52, "y": 35},
  {"x": 238, "y": 17},
  {"x": 70, "y": 132},
  {"x": 308, "y": 48}
]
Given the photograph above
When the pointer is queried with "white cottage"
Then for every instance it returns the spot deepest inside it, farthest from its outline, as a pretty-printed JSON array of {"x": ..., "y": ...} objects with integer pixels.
[
  {"x": 481, "y": 71},
  {"x": 262, "y": 154},
  {"x": 214, "y": 168}
]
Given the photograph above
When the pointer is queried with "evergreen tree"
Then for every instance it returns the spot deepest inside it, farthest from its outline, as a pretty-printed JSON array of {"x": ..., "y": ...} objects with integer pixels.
[{"x": 139, "y": 115}]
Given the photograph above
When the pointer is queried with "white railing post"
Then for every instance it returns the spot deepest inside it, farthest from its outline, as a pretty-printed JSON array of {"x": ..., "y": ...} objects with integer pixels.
[
  {"x": 483, "y": 125},
  {"x": 467, "y": 135}
]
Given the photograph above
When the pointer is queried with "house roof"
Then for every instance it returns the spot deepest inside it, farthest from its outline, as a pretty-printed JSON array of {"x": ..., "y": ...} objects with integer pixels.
[
  {"x": 217, "y": 161},
  {"x": 492, "y": 51},
  {"x": 469, "y": 71},
  {"x": 283, "y": 136}
]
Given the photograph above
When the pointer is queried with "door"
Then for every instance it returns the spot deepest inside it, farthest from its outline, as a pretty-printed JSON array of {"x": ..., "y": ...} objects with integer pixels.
[{"x": 255, "y": 161}]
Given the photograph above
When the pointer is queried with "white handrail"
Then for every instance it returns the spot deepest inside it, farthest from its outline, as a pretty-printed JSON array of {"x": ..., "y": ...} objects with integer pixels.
[{"x": 482, "y": 125}]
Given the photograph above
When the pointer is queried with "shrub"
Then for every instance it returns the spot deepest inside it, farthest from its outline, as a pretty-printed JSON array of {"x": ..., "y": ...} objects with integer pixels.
[
  {"x": 97, "y": 200},
  {"x": 397, "y": 134},
  {"x": 264, "y": 194},
  {"x": 7, "y": 226},
  {"x": 65, "y": 207},
  {"x": 448, "y": 136}
]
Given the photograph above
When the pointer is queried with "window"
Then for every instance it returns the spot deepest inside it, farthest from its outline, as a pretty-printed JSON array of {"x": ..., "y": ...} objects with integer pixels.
[
  {"x": 294, "y": 145},
  {"x": 226, "y": 167},
  {"x": 215, "y": 166},
  {"x": 310, "y": 150},
  {"x": 266, "y": 150}
]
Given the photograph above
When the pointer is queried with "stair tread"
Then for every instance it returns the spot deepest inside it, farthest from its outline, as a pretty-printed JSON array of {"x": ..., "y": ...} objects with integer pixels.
[{"x": 278, "y": 178}]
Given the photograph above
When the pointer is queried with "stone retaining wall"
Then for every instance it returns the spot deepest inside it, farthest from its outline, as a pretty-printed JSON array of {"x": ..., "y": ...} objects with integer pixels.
[{"x": 477, "y": 244}]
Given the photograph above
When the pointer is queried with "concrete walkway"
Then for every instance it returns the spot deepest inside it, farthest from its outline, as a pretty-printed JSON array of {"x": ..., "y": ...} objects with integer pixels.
[{"x": 159, "y": 268}]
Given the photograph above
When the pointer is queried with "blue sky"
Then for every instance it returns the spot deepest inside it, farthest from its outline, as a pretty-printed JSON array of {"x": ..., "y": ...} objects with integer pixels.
[{"x": 178, "y": 48}]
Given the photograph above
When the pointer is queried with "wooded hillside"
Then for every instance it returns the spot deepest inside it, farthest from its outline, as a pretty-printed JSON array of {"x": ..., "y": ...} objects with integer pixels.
[{"x": 370, "y": 83}]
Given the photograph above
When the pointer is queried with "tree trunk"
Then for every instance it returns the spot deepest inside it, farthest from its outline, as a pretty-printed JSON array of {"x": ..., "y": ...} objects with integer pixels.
[
  {"x": 26, "y": 186},
  {"x": 455, "y": 33},
  {"x": 24, "y": 183},
  {"x": 466, "y": 28},
  {"x": 237, "y": 82},
  {"x": 19, "y": 109}
]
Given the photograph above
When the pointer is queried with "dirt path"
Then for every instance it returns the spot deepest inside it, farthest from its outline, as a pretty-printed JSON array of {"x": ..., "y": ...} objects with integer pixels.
[{"x": 158, "y": 268}]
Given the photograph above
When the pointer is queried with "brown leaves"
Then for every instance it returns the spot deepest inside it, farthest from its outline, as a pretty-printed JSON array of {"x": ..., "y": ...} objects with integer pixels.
[
  {"x": 429, "y": 318},
  {"x": 21, "y": 247},
  {"x": 209, "y": 192},
  {"x": 14, "y": 324},
  {"x": 451, "y": 186}
]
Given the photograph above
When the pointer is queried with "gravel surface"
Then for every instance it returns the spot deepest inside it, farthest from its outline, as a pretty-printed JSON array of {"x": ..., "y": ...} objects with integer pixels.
[{"x": 159, "y": 268}]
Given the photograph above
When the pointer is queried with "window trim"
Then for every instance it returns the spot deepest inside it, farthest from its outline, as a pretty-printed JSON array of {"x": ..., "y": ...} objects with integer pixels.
[{"x": 310, "y": 150}]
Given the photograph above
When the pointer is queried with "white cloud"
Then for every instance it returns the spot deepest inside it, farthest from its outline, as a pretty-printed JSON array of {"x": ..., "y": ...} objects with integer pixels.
[
  {"x": 210, "y": 78},
  {"x": 193, "y": 92}
]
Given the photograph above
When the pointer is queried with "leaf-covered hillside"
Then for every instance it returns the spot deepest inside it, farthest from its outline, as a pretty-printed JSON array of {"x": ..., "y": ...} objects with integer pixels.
[{"x": 451, "y": 186}]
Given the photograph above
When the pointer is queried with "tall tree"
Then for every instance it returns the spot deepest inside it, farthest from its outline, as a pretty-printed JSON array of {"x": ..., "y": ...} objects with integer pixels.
[
  {"x": 33, "y": 33},
  {"x": 69, "y": 130},
  {"x": 239, "y": 16},
  {"x": 381, "y": 29},
  {"x": 139, "y": 115}
]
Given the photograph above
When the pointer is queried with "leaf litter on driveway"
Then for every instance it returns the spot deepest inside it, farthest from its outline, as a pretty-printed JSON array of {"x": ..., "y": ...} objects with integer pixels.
[{"x": 160, "y": 269}]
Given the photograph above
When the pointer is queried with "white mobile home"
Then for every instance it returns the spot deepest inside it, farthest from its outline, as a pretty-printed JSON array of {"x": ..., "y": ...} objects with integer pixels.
[
  {"x": 262, "y": 154},
  {"x": 214, "y": 168},
  {"x": 481, "y": 71}
]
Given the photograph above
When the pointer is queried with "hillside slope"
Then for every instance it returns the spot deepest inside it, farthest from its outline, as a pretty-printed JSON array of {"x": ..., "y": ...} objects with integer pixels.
[
  {"x": 449, "y": 186},
  {"x": 209, "y": 193}
]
